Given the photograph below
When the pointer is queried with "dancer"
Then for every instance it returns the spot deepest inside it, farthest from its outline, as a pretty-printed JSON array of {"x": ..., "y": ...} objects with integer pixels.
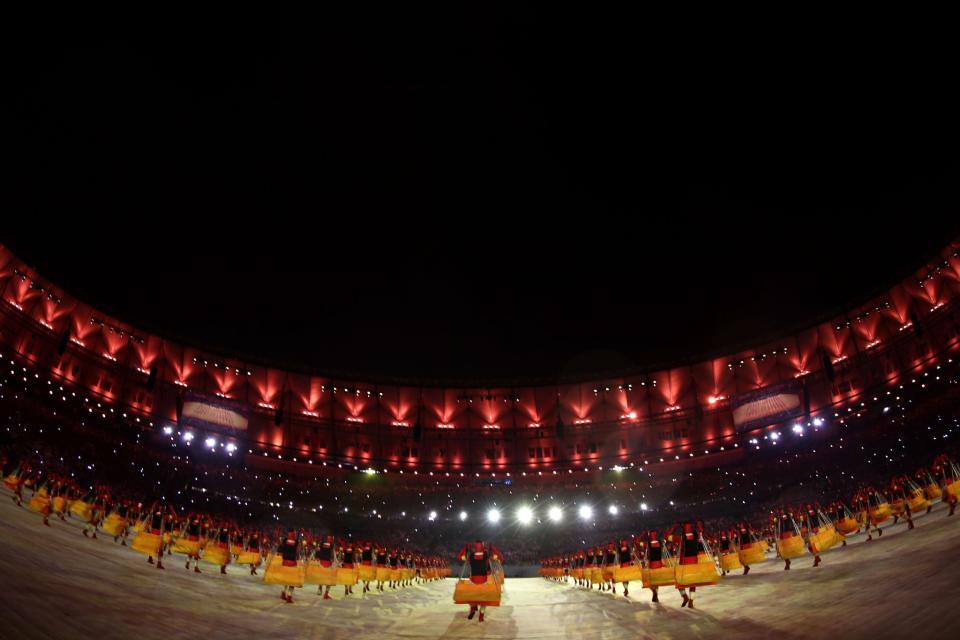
[
  {"x": 285, "y": 567},
  {"x": 322, "y": 567},
  {"x": 482, "y": 589}
]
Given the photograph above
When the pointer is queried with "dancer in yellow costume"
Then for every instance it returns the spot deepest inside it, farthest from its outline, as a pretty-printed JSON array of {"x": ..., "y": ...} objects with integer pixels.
[
  {"x": 751, "y": 549},
  {"x": 322, "y": 566},
  {"x": 482, "y": 588},
  {"x": 285, "y": 567},
  {"x": 658, "y": 572},
  {"x": 789, "y": 541}
]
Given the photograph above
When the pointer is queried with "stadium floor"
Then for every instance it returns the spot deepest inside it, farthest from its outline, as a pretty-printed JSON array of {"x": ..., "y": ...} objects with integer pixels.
[{"x": 58, "y": 584}]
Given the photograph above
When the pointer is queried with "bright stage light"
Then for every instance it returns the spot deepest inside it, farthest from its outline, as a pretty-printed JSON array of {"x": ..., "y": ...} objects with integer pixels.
[
  {"x": 463, "y": 515},
  {"x": 210, "y": 442},
  {"x": 585, "y": 512},
  {"x": 168, "y": 430},
  {"x": 555, "y": 514},
  {"x": 433, "y": 515},
  {"x": 774, "y": 436},
  {"x": 188, "y": 436},
  {"x": 818, "y": 422},
  {"x": 231, "y": 447},
  {"x": 643, "y": 506},
  {"x": 613, "y": 510},
  {"x": 797, "y": 428},
  {"x": 493, "y": 515},
  {"x": 525, "y": 515}
]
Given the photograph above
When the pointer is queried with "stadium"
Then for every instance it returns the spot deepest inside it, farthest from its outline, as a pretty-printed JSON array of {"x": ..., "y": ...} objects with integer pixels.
[{"x": 677, "y": 428}]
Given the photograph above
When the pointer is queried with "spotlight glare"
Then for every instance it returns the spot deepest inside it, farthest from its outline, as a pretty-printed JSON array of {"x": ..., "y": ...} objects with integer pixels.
[
  {"x": 433, "y": 516},
  {"x": 168, "y": 430},
  {"x": 643, "y": 506},
  {"x": 555, "y": 514},
  {"x": 818, "y": 422},
  {"x": 188, "y": 436},
  {"x": 210, "y": 442},
  {"x": 613, "y": 510},
  {"x": 231, "y": 447},
  {"x": 463, "y": 515},
  {"x": 525, "y": 515},
  {"x": 585, "y": 512},
  {"x": 797, "y": 428},
  {"x": 493, "y": 515}
]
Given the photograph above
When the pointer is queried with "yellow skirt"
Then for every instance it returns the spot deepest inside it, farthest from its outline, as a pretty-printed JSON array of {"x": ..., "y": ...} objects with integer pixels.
[
  {"x": 318, "y": 574},
  {"x": 897, "y": 507},
  {"x": 60, "y": 504},
  {"x": 368, "y": 572},
  {"x": 823, "y": 539},
  {"x": 347, "y": 576},
  {"x": 11, "y": 482},
  {"x": 933, "y": 491},
  {"x": 147, "y": 543},
  {"x": 670, "y": 562},
  {"x": 215, "y": 554},
  {"x": 114, "y": 524},
  {"x": 394, "y": 575},
  {"x": 628, "y": 573},
  {"x": 754, "y": 554},
  {"x": 236, "y": 549},
  {"x": 276, "y": 573},
  {"x": 248, "y": 557},
  {"x": 659, "y": 577},
  {"x": 186, "y": 547},
  {"x": 918, "y": 501},
  {"x": 487, "y": 593},
  {"x": 954, "y": 488},
  {"x": 40, "y": 504},
  {"x": 81, "y": 509},
  {"x": 880, "y": 513},
  {"x": 791, "y": 547},
  {"x": 730, "y": 561},
  {"x": 696, "y": 575},
  {"x": 383, "y": 574},
  {"x": 848, "y": 526}
]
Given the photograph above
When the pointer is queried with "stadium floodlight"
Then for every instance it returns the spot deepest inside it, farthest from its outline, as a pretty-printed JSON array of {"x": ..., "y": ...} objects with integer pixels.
[
  {"x": 188, "y": 436},
  {"x": 463, "y": 515},
  {"x": 613, "y": 510},
  {"x": 433, "y": 516},
  {"x": 643, "y": 506},
  {"x": 525, "y": 515},
  {"x": 585, "y": 512},
  {"x": 493, "y": 515},
  {"x": 210, "y": 442},
  {"x": 555, "y": 514}
]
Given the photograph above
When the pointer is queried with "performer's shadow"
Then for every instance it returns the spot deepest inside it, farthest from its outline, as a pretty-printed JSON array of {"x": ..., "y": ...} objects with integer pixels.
[{"x": 498, "y": 623}]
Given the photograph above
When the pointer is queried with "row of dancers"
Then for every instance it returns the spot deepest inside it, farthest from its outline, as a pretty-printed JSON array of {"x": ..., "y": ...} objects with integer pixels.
[
  {"x": 292, "y": 557},
  {"x": 686, "y": 557}
]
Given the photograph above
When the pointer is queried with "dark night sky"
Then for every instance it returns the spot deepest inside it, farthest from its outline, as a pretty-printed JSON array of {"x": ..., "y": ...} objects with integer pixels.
[{"x": 506, "y": 197}]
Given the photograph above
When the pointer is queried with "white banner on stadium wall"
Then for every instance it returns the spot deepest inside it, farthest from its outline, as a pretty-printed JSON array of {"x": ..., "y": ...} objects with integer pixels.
[
  {"x": 213, "y": 412},
  {"x": 763, "y": 406}
]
